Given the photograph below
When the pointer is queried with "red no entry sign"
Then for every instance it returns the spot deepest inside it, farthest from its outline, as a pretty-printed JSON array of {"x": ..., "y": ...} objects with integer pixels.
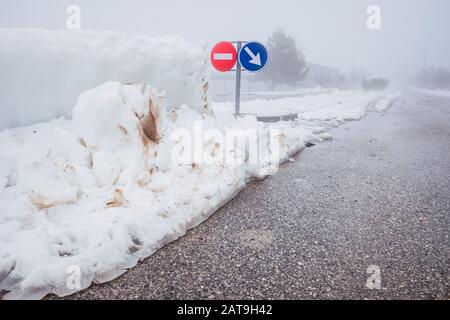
[{"x": 223, "y": 56}]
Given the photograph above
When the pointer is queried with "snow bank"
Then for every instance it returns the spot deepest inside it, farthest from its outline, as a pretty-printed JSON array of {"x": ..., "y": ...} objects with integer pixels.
[
  {"x": 85, "y": 199},
  {"x": 385, "y": 102},
  {"x": 441, "y": 93},
  {"x": 296, "y": 92},
  {"x": 43, "y": 72},
  {"x": 103, "y": 190},
  {"x": 325, "y": 110}
]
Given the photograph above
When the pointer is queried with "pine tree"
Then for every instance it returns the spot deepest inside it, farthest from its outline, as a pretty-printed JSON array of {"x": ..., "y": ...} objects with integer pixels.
[{"x": 287, "y": 63}]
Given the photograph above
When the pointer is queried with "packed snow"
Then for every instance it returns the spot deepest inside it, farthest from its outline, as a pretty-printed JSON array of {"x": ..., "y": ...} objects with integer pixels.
[
  {"x": 440, "y": 93},
  {"x": 84, "y": 199},
  {"x": 288, "y": 93},
  {"x": 333, "y": 106},
  {"x": 43, "y": 72},
  {"x": 100, "y": 192}
]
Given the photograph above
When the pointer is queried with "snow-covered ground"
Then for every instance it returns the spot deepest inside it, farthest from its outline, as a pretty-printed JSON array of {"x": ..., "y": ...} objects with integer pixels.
[
  {"x": 266, "y": 95},
  {"x": 333, "y": 106},
  {"x": 84, "y": 199},
  {"x": 96, "y": 193},
  {"x": 434, "y": 92},
  {"x": 297, "y": 92}
]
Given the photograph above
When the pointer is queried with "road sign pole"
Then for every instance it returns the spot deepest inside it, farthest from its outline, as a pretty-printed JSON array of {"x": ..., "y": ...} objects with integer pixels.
[
  {"x": 251, "y": 57},
  {"x": 238, "y": 82}
]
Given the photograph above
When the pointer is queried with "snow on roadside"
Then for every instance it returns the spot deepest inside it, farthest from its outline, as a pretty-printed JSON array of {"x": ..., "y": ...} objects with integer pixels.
[
  {"x": 297, "y": 92},
  {"x": 327, "y": 109},
  {"x": 83, "y": 200},
  {"x": 442, "y": 93},
  {"x": 385, "y": 102},
  {"x": 103, "y": 190},
  {"x": 97, "y": 193}
]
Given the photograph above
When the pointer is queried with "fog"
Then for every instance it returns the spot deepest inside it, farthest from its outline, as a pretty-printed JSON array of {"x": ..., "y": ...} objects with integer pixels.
[{"x": 331, "y": 32}]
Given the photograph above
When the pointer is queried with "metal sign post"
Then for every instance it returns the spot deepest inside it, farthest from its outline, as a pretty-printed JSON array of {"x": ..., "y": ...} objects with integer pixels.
[
  {"x": 237, "y": 101},
  {"x": 251, "y": 57}
]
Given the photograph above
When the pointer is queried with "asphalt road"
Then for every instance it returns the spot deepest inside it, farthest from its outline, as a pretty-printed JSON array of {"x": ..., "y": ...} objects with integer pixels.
[{"x": 377, "y": 194}]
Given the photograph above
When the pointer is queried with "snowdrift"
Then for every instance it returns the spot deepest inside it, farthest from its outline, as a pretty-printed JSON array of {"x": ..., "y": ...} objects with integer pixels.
[
  {"x": 105, "y": 189},
  {"x": 440, "y": 93},
  {"x": 323, "y": 110},
  {"x": 43, "y": 72}
]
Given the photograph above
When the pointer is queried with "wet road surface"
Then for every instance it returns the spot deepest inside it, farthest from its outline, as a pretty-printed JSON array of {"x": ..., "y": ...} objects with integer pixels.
[{"x": 377, "y": 195}]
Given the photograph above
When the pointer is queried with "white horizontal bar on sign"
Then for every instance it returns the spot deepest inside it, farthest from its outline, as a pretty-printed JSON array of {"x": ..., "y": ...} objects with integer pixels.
[{"x": 223, "y": 56}]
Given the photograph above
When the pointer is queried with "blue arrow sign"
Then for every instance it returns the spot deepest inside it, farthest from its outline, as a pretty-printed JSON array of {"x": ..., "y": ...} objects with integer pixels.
[{"x": 253, "y": 56}]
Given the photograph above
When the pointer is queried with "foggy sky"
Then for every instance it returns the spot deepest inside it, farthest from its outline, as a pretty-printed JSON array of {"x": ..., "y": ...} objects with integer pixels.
[{"x": 331, "y": 32}]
